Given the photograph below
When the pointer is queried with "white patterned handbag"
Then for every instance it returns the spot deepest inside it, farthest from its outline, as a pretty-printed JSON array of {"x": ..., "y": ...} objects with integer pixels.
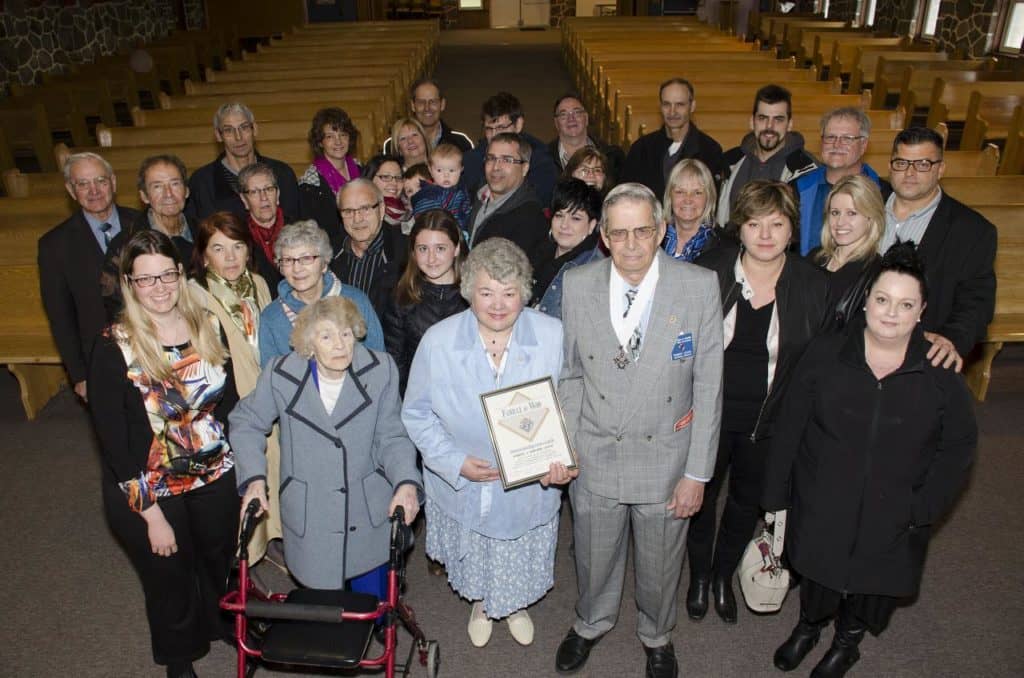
[{"x": 763, "y": 579}]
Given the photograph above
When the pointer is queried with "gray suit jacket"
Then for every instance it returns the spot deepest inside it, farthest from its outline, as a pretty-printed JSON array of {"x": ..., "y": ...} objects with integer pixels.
[
  {"x": 623, "y": 421},
  {"x": 339, "y": 470}
]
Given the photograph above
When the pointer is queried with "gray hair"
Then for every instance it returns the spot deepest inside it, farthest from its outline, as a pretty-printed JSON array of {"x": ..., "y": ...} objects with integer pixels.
[
  {"x": 230, "y": 108},
  {"x": 378, "y": 195},
  {"x": 691, "y": 167},
  {"x": 525, "y": 149},
  {"x": 339, "y": 311},
  {"x": 86, "y": 155},
  {"x": 254, "y": 170},
  {"x": 631, "y": 192},
  {"x": 848, "y": 112},
  {"x": 502, "y": 260},
  {"x": 304, "y": 234}
]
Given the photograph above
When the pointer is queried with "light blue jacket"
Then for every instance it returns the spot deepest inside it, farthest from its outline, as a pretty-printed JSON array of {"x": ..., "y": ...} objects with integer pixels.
[
  {"x": 276, "y": 328},
  {"x": 443, "y": 416}
]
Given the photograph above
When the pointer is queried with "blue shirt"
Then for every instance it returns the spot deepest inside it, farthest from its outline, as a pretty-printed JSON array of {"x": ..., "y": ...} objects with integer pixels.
[
  {"x": 115, "y": 227},
  {"x": 812, "y": 190}
]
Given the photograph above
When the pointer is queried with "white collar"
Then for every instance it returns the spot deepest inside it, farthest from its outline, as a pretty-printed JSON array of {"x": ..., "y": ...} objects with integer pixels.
[
  {"x": 617, "y": 287},
  {"x": 741, "y": 277}
]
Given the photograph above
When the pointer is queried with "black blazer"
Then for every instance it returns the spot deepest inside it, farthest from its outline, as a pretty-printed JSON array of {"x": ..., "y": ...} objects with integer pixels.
[
  {"x": 70, "y": 260},
  {"x": 396, "y": 254},
  {"x": 959, "y": 250},
  {"x": 645, "y": 160},
  {"x": 521, "y": 219},
  {"x": 209, "y": 190}
]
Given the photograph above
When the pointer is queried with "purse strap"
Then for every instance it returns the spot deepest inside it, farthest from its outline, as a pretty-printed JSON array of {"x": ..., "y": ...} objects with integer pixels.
[{"x": 778, "y": 519}]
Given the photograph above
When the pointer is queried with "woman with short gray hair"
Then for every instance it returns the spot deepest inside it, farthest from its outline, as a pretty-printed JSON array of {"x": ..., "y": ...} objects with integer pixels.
[
  {"x": 302, "y": 253},
  {"x": 497, "y": 545}
]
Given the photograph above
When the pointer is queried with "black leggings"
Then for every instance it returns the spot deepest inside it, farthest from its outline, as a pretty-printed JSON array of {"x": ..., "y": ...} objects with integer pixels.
[{"x": 182, "y": 590}]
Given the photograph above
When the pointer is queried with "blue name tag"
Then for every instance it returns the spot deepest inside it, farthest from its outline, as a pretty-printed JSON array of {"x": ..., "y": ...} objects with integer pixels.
[{"x": 683, "y": 348}]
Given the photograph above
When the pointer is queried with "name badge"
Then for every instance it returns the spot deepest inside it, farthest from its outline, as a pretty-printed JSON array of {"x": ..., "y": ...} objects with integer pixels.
[{"x": 683, "y": 348}]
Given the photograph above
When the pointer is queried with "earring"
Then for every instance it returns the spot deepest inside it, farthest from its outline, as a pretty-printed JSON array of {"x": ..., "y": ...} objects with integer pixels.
[{"x": 864, "y": 308}]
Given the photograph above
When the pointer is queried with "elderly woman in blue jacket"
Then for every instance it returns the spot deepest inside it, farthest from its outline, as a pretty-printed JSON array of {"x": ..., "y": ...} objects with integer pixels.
[{"x": 497, "y": 545}]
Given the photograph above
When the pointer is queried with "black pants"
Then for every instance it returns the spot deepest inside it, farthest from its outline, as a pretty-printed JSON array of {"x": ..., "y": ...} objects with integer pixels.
[
  {"x": 819, "y": 603},
  {"x": 744, "y": 463},
  {"x": 182, "y": 590}
]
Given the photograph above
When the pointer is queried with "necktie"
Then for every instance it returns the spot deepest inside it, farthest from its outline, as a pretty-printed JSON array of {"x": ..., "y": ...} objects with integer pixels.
[
  {"x": 105, "y": 228},
  {"x": 634, "y": 340}
]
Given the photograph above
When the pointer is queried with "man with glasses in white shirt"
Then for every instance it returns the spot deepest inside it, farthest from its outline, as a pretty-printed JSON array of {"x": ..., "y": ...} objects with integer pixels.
[
  {"x": 507, "y": 206},
  {"x": 844, "y": 140},
  {"x": 957, "y": 244},
  {"x": 572, "y": 123}
]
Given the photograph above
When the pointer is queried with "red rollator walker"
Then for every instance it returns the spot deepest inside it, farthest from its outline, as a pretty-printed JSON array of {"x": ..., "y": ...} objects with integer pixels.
[{"x": 325, "y": 628}]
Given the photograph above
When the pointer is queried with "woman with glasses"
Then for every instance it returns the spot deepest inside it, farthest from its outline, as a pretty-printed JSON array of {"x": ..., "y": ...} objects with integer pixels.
[
  {"x": 592, "y": 167},
  {"x": 260, "y": 194},
  {"x": 690, "y": 198},
  {"x": 410, "y": 142},
  {"x": 333, "y": 138},
  {"x": 386, "y": 172},
  {"x": 854, "y": 224},
  {"x": 165, "y": 385},
  {"x": 303, "y": 253},
  {"x": 773, "y": 304}
]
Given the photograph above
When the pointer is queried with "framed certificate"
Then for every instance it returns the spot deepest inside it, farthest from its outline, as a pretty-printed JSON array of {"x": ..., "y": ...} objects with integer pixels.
[{"x": 528, "y": 431}]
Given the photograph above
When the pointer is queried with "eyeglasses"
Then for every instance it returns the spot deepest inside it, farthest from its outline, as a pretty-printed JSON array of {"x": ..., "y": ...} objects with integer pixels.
[
  {"x": 590, "y": 171},
  {"x": 304, "y": 260},
  {"x": 640, "y": 233},
  {"x": 502, "y": 160},
  {"x": 922, "y": 165},
  {"x": 426, "y": 103},
  {"x": 574, "y": 113},
  {"x": 498, "y": 129},
  {"x": 85, "y": 184},
  {"x": 264, "y": 190},
  {"x": 244, "y": 128},
  {"x": 388, "y": 177},
  {"x": 841, "y": 139},
  {"x": 364, "y": 211},
  {"x": 167, "y": 277}
]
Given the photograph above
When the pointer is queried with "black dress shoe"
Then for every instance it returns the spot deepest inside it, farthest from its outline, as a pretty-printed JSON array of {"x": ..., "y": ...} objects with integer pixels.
[
  {"x": 573, "y": 652},
  {"x": 801, "y": 641},
  {"x": 725, "y": 600},
  {"x": 181, "y": 670},
  {"x": 697, "y": 597},
  {"x": 661, "y": 662}
]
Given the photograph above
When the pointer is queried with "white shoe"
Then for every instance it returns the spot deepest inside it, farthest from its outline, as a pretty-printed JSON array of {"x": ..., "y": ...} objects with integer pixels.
[
  {"x": 479, "y": 626},
  {"x": 521, "y": 627}
]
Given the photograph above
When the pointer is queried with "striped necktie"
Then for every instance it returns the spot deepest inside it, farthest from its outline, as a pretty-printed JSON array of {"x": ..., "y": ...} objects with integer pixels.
[
  {"x": 634, "y": 340},
  {"x": 105, "y": 228}
]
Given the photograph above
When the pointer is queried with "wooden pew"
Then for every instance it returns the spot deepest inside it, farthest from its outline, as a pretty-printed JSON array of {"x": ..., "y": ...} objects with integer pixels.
[
  {"x": 950, "y": 100},
  {"x": 1001, "y": 190},
  {"x": 759, "y": 25},
  {"x": 842, "y": 54},
  {"x": 991, "y": 117},
  {"x": 302, "y": 88},
  {"x": 62, "y": 112},
  {"x": 917, "y": 83},
  {"x": 864, "y": 66},
  {"x": 50, "y": 185},
  {"x": 28, "y": 132},
  {"x": 126, "y": 160},
  {"x": 793, "y": 34}
]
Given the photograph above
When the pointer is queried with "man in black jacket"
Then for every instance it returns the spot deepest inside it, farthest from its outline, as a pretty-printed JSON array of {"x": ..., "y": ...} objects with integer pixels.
[
  {"x": 373, "y": 253},
  {"x": 652, "y": 156},
  {"x": 572, "y": 123},
  {"x": 70, "y": 257},
  {"x": 427, "y": 103},
  {"x": 957, "y": 245},
  {"x": 507, "y": 207},
  {"x": 214, "y": 187}
]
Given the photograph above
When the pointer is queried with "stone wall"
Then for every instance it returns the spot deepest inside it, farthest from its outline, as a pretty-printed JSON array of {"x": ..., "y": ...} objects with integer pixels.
[
  {"x": 895, "y": 16},
  {"x": 44, "y": 35},
  {"x": 195, "y": 15},
  {"x": 967, "y": 26},
  {"x": 845, "y": 10}
]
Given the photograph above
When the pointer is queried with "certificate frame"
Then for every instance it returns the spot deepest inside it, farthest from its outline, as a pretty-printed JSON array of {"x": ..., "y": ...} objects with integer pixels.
[{"x": 528, "y": 431}]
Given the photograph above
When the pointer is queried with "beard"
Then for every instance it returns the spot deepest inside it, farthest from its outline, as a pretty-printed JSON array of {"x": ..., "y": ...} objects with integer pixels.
[{"x": 769, "y": 141}]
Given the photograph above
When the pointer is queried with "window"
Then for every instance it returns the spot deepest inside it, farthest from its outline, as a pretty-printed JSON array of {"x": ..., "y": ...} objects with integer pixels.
[
  {"x": 1013, "y": 28},
  {"x": 930, "y": 23},
  {"x": 868, "y": 18},
  {"x": 471, "y": 4}
]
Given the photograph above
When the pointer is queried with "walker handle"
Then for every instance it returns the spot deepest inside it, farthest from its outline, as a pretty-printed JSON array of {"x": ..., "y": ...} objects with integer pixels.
[{"x": 248, "y": 527}]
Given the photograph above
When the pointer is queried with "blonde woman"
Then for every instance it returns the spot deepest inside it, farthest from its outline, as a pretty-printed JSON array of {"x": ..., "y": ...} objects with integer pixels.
[
  {"x": 410, "y": 142},
  {"x": 168, "y": 471},
  {"x": 690, "y": 199},
  {"x": 854, "y": 224}
]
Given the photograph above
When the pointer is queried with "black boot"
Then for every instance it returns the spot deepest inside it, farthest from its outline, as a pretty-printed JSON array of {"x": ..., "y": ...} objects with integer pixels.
[
  {"x": 725, "y": 600},
  {"x": 801, "y": 641},
  {"x": 181, "y": 670},
  {"x": 697, "y": 596},
  {"x": 844, "y": 653}
]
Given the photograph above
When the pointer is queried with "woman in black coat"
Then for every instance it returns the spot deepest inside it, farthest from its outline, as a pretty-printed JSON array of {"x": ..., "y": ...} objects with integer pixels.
[
  {"x": 428, "y": 290},
  {"x": 773, "y": 304},
  {"x": 873, "y": 446}
]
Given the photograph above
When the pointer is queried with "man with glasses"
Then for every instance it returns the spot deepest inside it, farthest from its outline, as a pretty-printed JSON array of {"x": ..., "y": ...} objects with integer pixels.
[
  {"x": 503, "y": 114},
  {"x": 427, "y": 103},
  {"x": 642, "y": 406},
  {"x": 507, "y": 206},
  {"x": 844, "y": 139},
  {"x": 572, "y": 125},
  {"x": 70, "y": 260},
  {"x": 214, "y": 187},
  {"x": 771, "y": 151},
  {"x": 651, "y": 157},
  {"x": 957, "y": 244},
  {"x": 373, "y": 253}
]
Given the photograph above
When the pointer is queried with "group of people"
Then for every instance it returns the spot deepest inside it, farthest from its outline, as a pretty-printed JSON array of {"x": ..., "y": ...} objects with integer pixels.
[{"x": 320, "y": 344}]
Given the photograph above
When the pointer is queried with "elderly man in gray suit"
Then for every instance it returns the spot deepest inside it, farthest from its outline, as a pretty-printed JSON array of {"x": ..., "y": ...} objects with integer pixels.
[{"x": 641, "y": 391}]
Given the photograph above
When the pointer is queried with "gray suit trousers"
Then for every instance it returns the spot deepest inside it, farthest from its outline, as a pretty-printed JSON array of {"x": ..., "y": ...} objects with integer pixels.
[{"x": 601, "y": 527}]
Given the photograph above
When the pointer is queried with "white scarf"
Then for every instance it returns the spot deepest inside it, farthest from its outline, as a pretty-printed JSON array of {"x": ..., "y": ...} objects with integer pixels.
[{"x": 617, "y": 287}]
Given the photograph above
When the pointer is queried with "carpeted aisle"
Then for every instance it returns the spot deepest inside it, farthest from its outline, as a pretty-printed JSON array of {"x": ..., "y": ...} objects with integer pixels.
[{"x": 72, "y": 606}]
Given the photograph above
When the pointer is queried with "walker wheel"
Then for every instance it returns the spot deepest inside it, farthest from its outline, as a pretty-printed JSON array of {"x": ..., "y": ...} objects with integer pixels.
[{"x": 433, "y": 658}]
